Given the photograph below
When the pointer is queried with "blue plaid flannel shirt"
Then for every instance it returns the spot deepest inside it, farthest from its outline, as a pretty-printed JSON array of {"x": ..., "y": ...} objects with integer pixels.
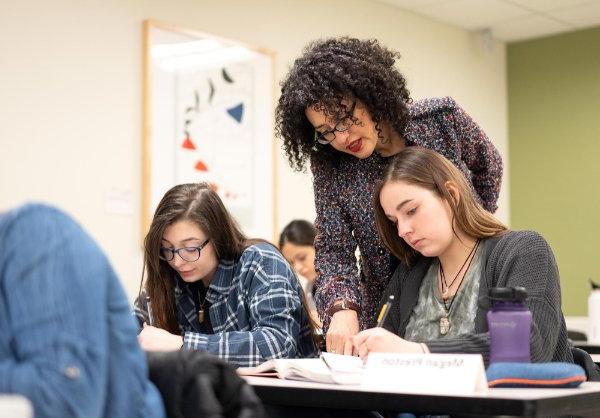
[{"x": 255, "y": 311}]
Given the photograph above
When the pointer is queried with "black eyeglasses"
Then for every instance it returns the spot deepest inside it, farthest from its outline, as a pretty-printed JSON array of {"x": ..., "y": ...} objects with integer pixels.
[
  {"x": 186, "y": 253},
  {"x": 343, "y": 125}
]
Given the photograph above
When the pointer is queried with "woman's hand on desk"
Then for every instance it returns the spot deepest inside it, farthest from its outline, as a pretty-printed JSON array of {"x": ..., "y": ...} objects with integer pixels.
[
  {"x": 343, "y": 326},
  {"x": 157, "y": 339},
  {"x": 383, "y": 341}
]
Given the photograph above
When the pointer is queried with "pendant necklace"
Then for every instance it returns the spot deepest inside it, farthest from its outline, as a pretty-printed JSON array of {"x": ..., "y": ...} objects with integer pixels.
[
  {"x": 445, "y": 319},
  {"x": 201, "y": 301}
]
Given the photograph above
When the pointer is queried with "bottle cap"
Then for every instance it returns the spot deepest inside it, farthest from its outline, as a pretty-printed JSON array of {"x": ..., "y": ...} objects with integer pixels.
[
  {"x": 595, "y": 286},
  {"x": 508, "y": 293}
]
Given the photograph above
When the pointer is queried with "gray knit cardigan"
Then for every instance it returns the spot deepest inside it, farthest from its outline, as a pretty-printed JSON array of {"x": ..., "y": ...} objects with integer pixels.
[{"x": 516, "y": 258}]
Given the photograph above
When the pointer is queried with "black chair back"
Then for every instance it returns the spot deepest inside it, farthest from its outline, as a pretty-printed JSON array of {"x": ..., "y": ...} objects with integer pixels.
[
  {"x": 196, "y": 385},
  {"x": 582, "y": 358}
]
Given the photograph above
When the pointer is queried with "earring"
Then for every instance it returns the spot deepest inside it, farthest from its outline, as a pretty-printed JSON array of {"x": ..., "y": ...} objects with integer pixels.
[{"x": 379, "y": 134}]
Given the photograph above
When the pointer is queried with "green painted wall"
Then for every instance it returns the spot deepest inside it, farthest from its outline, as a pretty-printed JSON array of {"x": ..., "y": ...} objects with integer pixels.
[{"x": 554, "y": 152}]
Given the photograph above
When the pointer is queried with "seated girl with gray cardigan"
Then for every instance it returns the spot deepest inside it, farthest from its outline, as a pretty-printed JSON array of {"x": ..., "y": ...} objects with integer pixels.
[{"x": 452, "y": 251}]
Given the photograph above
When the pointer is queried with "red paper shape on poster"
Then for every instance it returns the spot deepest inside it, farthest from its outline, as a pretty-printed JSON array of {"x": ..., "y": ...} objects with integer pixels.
[
  {"x": 188, "y": 144},
  {"x": 200, "y": 166}
]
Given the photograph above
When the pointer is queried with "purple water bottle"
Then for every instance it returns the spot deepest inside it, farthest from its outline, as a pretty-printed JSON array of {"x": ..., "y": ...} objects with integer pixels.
[{"x": 509, "y": 323}]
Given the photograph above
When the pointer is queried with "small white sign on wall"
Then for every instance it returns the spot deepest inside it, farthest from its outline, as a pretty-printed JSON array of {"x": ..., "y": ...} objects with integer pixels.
[
  {"x": 118, "y": 201},
  {"x": 425, "y": 373}
]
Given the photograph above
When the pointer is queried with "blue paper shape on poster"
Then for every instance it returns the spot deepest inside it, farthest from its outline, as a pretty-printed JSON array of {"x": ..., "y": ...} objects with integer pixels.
[{"x": 236, "y": 112}]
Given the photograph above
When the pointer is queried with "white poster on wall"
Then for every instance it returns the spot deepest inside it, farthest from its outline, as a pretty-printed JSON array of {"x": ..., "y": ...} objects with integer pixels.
[{"x": 211, "y": 119}]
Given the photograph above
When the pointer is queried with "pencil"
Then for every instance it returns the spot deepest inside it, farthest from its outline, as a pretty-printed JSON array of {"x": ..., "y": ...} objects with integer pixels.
[{"x": 385, "y": 309}]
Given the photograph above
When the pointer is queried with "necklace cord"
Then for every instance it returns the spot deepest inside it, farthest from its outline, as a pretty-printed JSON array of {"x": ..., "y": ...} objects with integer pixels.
[{"x": 447, "y": 308}]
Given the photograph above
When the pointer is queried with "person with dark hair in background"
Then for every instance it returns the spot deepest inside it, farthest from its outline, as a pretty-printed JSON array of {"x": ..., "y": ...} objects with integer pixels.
[
  {"x": 210, "y": 288},
  {"x": 67, "y": 339},
  {"x": 296, "y": 243},
  {"x": 346, "y": 108}
]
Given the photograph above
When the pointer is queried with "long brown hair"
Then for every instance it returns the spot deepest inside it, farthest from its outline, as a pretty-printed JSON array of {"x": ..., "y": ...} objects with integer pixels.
[
  {"x": 198, "y": 203},
  {"x": 426, "y": 168}
]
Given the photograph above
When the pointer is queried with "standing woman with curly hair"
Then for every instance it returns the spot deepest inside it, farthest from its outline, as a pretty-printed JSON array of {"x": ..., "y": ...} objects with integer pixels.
[{"x": 346, "y": 109}]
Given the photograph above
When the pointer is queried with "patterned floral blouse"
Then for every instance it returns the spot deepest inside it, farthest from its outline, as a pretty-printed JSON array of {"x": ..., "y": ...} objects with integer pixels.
[{"x": 345, "y": 217}]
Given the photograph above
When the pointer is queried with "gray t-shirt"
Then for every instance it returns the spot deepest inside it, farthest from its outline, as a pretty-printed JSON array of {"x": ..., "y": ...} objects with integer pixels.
[{"x": 424, "y": 322}]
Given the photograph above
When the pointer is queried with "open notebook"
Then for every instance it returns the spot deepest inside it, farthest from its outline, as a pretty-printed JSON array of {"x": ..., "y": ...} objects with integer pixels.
[{"x": 329, "y": 368}]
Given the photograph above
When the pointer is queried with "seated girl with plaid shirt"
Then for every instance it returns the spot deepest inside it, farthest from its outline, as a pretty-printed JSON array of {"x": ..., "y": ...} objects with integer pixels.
[{"x": 208, "y": 287}]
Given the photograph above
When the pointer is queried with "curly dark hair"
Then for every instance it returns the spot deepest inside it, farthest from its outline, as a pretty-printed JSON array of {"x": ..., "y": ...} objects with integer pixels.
[{"x": 327, "y": 72}]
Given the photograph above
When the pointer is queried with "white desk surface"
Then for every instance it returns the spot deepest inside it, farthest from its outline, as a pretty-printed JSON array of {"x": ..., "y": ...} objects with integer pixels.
[
  {"x": 15, "y": 407},
  {"x": 493, "y": 393}
]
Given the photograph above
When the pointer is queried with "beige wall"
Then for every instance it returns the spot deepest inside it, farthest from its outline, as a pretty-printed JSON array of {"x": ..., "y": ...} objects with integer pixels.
[{"x": 70, "y": 93}]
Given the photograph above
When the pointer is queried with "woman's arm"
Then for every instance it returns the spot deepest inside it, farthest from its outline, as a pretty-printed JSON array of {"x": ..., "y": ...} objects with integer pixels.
[
  {"x": 338, "y": 284},
  {"x": 481, "y": 157},
  {"x": 335, "y": 247}
]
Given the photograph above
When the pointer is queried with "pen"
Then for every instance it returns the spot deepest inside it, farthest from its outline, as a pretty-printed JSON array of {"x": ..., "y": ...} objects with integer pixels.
[
  {"x": 327, "y": 364},
  {"x": 150, "y": 316},
  {"x": 385, "y": 309}
]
